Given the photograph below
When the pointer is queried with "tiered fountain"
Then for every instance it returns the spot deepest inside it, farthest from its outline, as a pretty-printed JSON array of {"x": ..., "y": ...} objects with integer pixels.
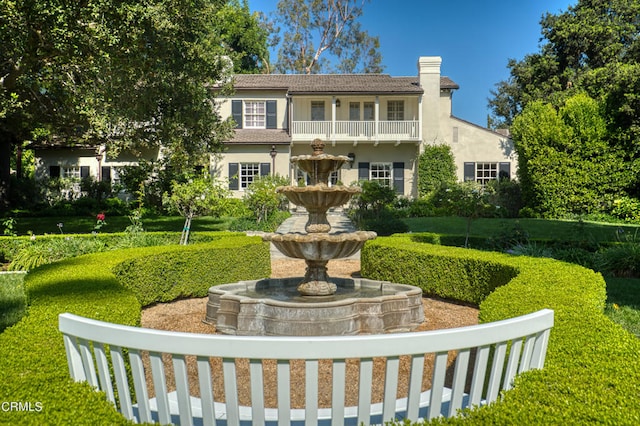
[{"x": 316, "y": 305}]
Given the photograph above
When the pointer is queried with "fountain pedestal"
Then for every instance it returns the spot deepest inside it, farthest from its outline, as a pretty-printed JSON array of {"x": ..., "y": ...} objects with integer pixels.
[{"x": 315, "y": 304}]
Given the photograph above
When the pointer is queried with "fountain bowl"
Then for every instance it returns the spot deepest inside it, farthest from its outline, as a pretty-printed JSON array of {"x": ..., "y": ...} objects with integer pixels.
[
  {"x": 320, "y": 246},
  {"x": 272, "y": 306},
  {"x": 319, "y": 197}
]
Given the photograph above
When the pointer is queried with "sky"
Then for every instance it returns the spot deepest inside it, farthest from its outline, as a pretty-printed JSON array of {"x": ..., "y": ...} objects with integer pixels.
[{"x": 475, "y": 38}]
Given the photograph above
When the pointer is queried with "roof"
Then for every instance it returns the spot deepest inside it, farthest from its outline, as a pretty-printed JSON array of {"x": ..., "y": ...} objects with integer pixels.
[
  {"x": 260, "y": 136},
  {"x": 300, "y": 84}
]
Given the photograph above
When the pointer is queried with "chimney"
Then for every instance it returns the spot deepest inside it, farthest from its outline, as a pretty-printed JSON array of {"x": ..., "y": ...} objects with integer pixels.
[{"x": 429, "y": 73}]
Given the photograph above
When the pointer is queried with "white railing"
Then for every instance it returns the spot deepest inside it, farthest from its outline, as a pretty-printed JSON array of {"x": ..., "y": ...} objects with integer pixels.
[
  {"x": 356, "y": 130},
  {"x": 109, "y": 356}
]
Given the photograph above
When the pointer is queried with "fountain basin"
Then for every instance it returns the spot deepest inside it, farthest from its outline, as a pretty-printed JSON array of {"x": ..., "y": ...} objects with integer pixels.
[
  {"x": 320, "y": 246},
  {"x": 273, "y": 306}
]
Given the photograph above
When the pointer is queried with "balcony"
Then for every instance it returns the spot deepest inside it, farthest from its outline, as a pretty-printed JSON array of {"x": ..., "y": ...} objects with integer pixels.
[{"x": 356, "y": 130}]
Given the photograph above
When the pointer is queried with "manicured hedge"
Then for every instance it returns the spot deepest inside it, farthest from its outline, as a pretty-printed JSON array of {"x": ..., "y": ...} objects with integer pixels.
[
  {"x": 592, "y": 371},
  {"x": 33, "y": 366}
]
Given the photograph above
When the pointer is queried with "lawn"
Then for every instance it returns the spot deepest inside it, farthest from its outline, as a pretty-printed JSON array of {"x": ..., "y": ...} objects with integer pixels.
[
  {"x": 12, "y": 299},
  {"x": 84, "y": 225},
  {"x": 563, "y": 230}
]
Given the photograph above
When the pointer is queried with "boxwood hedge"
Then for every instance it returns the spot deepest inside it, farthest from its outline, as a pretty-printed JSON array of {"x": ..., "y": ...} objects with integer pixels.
[
  {"x": 592, "y": 371},
  {"x": 35, "y": 385}
]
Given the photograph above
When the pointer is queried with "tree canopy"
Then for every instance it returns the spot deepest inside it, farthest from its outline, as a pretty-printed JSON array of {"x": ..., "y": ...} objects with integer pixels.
[
  {"x": 592, "y": 48},
  {"x": 126, "y": 74},
  {"x": 323, "y": 36},
  {"x": 565, "y": 165},
  {"x": 593, "y": 42}
]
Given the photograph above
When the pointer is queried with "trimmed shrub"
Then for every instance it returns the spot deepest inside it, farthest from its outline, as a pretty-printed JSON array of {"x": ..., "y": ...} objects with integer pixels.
[
  {"x": 591, "y": 372},
  {"x": 33, "y": 366},
  {"x": 166, "y": 276}
]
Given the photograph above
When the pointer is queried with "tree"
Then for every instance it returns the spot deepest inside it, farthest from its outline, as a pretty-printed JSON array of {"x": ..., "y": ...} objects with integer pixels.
[
  {"x": 588, "y": 38},
  {"x": 315, "y": 28},
  {"x": 592, "y": 48},
  {"x": 128, "y": 74},
  {"x": 244, "y": 38},
  {"x": 195, "y": 198},
  {"x": 565, "y": 165},
  {"x": 436, "y": 166}
]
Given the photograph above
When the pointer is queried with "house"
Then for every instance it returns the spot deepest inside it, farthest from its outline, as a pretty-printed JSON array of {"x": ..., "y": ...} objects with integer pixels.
[{"x": 382, "y": 123}]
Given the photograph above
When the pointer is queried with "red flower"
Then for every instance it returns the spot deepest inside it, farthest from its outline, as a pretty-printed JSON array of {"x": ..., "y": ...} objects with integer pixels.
[{"x": 100, "y": 216}]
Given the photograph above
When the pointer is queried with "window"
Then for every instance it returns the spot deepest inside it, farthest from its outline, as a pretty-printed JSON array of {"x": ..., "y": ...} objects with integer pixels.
[
  {"x": 317, "y": 110},
  {"x": 254, "y": 115},
  {"x": 368, "y": 110},
  {"x": 248, "y": 172},
  {"x": 486, "y": 172},
  {"x": 354, "y": 111},
  {"x": 395, "y": 110},
  {"x": 382, "y": 173},
  {"x": 71, "y": 172}
]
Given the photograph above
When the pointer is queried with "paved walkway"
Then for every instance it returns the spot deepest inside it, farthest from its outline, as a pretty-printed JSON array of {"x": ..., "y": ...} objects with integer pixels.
[{"x": 338, "y": 220}]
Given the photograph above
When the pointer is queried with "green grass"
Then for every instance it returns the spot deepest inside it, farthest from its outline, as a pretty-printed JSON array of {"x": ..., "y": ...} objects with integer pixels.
[
  {"x": 12, "y": 299},
  {"x": 84, "y": 225},
  {"x": 563, "y": 230},
  {"x": 623, "y": 303}
]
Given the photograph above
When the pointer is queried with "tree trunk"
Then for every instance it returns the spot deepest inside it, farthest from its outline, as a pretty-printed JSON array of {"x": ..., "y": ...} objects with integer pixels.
[{"x": 6, "y": 146}]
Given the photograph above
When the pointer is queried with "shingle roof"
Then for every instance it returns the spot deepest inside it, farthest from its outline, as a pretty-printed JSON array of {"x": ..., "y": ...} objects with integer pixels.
[
  {"x": 335, "y": 83},
  {"x": 265, "y": 136}
]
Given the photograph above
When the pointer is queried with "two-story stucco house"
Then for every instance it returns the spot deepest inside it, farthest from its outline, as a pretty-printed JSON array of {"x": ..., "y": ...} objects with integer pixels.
[{"x": 381, "y": 122}]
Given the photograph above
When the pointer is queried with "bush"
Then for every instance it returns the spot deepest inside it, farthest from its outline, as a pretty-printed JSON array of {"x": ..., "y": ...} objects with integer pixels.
[
  {"x": 250, "y": 224},
  {"x": 590, "y": 375},
  {"x": 384, "y": 225},
  {"x": 436, "y": 167},
  {"x": 626, "y": 208},
  {"x": 620, "y": 260},
  {"x": 187, "y": 273},
  {"x": 33, "y": 365}
]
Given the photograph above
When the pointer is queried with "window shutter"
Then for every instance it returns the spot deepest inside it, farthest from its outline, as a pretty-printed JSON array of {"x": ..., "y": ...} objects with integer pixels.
[
  {"x": 398, "y": 177},
  {"x": 236, "y": 113},
  {"x": 54, "y": 171},
  {"x": 84, "y": 172},
  {"x": 106, "y": 173},
  {"x": 363, "y": 171},
  {"x": 469, "y": 171},
  {"x": 233, "y": 176},
  {"x": 265, "y": 169},
  {"x": 272, "y": 119},
  {"x": 504, "y": 171}
]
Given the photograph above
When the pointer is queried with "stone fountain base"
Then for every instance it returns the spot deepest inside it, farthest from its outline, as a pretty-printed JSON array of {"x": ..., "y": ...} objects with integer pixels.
[{"x": 274, "y": 307}]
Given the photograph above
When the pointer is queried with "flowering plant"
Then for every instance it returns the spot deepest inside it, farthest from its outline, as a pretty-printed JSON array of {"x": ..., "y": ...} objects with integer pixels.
[{"x": 100, "y": 222}]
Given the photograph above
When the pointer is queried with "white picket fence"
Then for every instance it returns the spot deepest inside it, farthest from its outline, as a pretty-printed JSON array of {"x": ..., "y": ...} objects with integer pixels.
[{"x": 111, "y": 357}]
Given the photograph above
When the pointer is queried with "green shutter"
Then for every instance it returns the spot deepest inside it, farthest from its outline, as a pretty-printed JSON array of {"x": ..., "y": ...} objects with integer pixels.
[
  {"x": 363, "y": 171},
  {"x": 398, "y": 177},
  {"x": 469, "y": 171},
  {"x": 504, "y": 171},
  {"x": 272, "y": 119},
  {"x": 236, "y": 113},
  {"x": 233, "y": 176}
]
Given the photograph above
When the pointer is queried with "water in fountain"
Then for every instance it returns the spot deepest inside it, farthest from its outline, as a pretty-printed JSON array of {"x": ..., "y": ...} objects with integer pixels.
[{"x": 316, "y": 304}]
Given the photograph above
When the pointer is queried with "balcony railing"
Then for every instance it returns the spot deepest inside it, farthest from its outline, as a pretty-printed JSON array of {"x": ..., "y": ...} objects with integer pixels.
[{"x": 356, "y": 130}]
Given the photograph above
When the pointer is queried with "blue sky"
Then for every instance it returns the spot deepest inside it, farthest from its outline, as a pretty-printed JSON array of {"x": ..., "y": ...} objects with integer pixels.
[{"x": 475, "y": 39}]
